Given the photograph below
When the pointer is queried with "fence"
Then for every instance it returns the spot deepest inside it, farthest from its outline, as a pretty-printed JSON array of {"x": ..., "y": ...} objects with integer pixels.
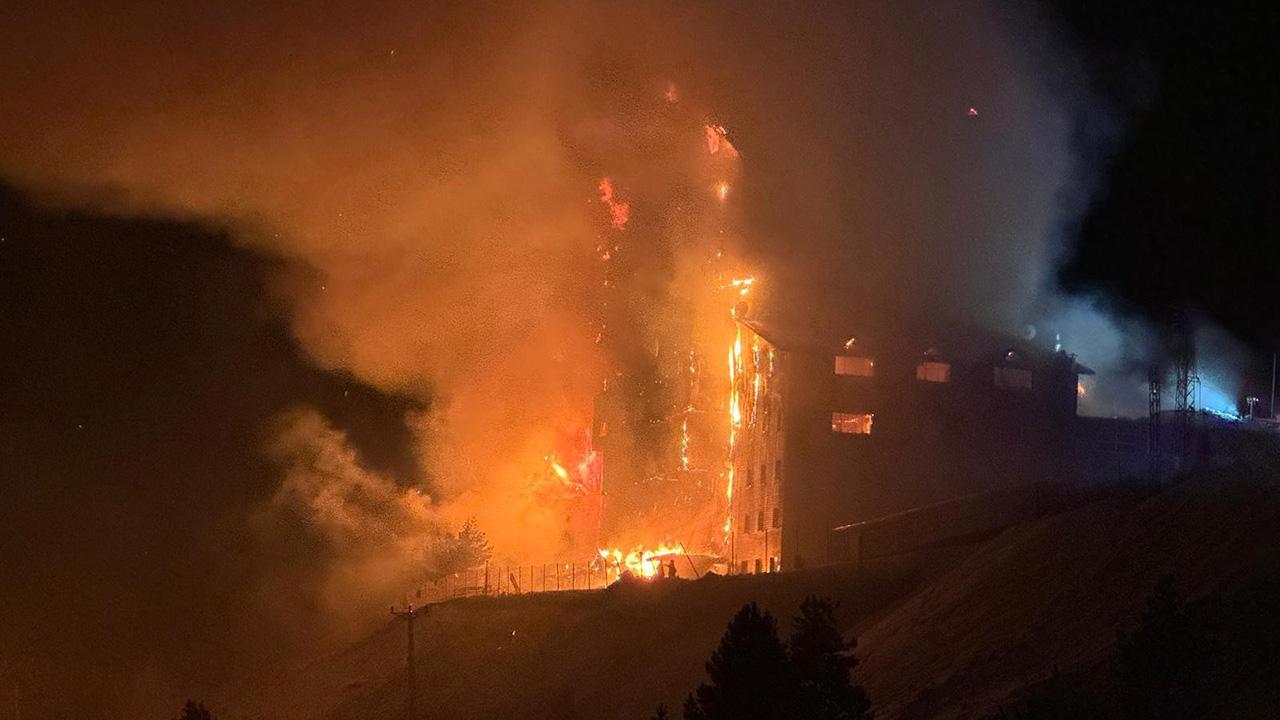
[{"x": 493, "y": 579}]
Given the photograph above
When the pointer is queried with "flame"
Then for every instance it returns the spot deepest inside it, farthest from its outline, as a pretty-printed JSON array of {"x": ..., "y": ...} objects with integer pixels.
[
  {"x": 714, "y": 135},
  {"x": 742, "y": 285},
  {"x": 684, "y": 441},
  {"x": 641, "y": 562},
  {"x": 619, "y": 212},
  {"x": 722, "y": 190}
]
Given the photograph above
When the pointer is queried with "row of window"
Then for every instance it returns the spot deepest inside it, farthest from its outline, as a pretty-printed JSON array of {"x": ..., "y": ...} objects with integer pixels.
[
  {"x": 746, "y": 521},
  {"x": 933, "y": 371},
  {"x": 764, "y": 473},
  {"x": 775, "y": 564}
]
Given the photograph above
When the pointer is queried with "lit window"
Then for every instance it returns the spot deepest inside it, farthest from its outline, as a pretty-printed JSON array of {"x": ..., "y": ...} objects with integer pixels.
[
  {"x": 851, "y": 423},
  {"x": 933, "y": 371},
  {"x": 1007, "y": 377},
  {"x": 855, "y": 365}
]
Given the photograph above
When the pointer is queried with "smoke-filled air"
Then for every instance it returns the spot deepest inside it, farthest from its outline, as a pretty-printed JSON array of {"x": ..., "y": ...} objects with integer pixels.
[{"x": 509, "y": 211}]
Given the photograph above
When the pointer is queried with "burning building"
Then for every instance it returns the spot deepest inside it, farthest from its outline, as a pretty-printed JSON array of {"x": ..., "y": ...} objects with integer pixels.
[{"x": 836, "y": 430}]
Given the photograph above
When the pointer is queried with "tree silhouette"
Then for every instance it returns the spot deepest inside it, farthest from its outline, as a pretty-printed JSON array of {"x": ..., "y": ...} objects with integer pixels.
[
  {"x": 454, "y": 553},
  {"x": 193, "y": 710},
  {"x": 751, "y": 677},
  {"x": 823, "y": 661},
  {"x": 661, "y": 712}
]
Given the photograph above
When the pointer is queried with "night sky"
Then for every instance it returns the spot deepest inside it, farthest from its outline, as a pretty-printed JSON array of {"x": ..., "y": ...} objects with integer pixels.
[{"x": 154, "y": 328}]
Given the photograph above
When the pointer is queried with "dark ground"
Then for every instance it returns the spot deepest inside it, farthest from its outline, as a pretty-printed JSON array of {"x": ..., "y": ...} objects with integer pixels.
[{"x": 947, "y": 633}]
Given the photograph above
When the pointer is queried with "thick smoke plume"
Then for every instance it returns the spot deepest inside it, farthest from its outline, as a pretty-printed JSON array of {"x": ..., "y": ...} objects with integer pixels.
[{"x": 441, "y": 167}]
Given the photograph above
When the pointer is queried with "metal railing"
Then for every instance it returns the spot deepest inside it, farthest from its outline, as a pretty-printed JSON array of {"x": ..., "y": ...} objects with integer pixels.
[{"x": 493, "y": 579}]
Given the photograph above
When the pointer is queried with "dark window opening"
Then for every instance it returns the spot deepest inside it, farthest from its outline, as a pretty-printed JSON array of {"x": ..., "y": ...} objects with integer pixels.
[
  {"x": 760, "y": 521},
  {"x": 777, "y": 517},
  {"x": 1016, "y": 378}
]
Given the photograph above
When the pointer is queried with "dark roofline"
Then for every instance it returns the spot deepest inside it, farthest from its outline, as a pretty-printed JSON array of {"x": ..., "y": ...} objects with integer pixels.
[{"x": 813, "y": 344}]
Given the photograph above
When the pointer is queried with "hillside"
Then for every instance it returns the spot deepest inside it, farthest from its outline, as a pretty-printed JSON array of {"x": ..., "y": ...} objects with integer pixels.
[{"x": 944, "y": 633}]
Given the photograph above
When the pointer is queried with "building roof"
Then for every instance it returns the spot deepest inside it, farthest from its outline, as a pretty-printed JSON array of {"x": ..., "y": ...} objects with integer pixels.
[{"x": 955, "y": 343}]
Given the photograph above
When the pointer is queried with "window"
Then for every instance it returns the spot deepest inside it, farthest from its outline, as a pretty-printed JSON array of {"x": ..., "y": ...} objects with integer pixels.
[
  {"x": 777, "y": 471},
  {"x": 759, "y": 566},
  {"x": 1009, "y": 377},
  {"x": 742, "y": 567},
  {"x": 760, "y": 521},
  {"x": 764, "y": 474},
  {"x": 855, "y": 365},
  {"x": 773, "y": 565},
  {"x": 751, "y": 478},
  {"x": 851, "y": 423},
  {"x": 777, "y": 517},
  {"x": 746, "y": 524},
  {"x": 933, "y": 371}
]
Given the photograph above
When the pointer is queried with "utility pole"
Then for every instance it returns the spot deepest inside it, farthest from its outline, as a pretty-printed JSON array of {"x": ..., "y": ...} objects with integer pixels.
[
  {"x": 1155, "y": 380},
  {"x": 408, "y": 614},
  {"x": 1272, "y": 406}
]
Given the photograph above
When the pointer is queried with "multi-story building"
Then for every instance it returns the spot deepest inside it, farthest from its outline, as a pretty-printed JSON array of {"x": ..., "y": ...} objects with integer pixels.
[{"x": 836, "y": 430}]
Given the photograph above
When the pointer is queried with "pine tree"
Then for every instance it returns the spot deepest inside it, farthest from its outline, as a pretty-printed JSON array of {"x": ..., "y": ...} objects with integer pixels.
[
  {"x": 455, "y": 553},
  {"x": 823, "y": 660},
  {"x": 750, "y": 675},
  {"x": 193, "y": 710}
]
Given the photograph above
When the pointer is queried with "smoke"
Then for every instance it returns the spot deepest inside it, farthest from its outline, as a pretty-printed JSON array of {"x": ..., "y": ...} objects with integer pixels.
[
  {"x": 441, "y": 170},
  {"x": 376, "y": 533}
]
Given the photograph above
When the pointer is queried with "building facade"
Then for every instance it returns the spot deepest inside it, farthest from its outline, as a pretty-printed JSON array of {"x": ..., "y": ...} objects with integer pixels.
[{"x": 830, "y": 431}]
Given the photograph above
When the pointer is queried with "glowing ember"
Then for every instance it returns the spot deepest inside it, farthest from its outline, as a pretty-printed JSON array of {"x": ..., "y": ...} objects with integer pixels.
[{"x": 619, "y": 212}]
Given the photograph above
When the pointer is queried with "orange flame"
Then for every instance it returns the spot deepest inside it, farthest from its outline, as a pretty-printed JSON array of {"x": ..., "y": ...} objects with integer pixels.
[
  {"x": 619, "y": 212},
  {"x": 641, "y": 562}
]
